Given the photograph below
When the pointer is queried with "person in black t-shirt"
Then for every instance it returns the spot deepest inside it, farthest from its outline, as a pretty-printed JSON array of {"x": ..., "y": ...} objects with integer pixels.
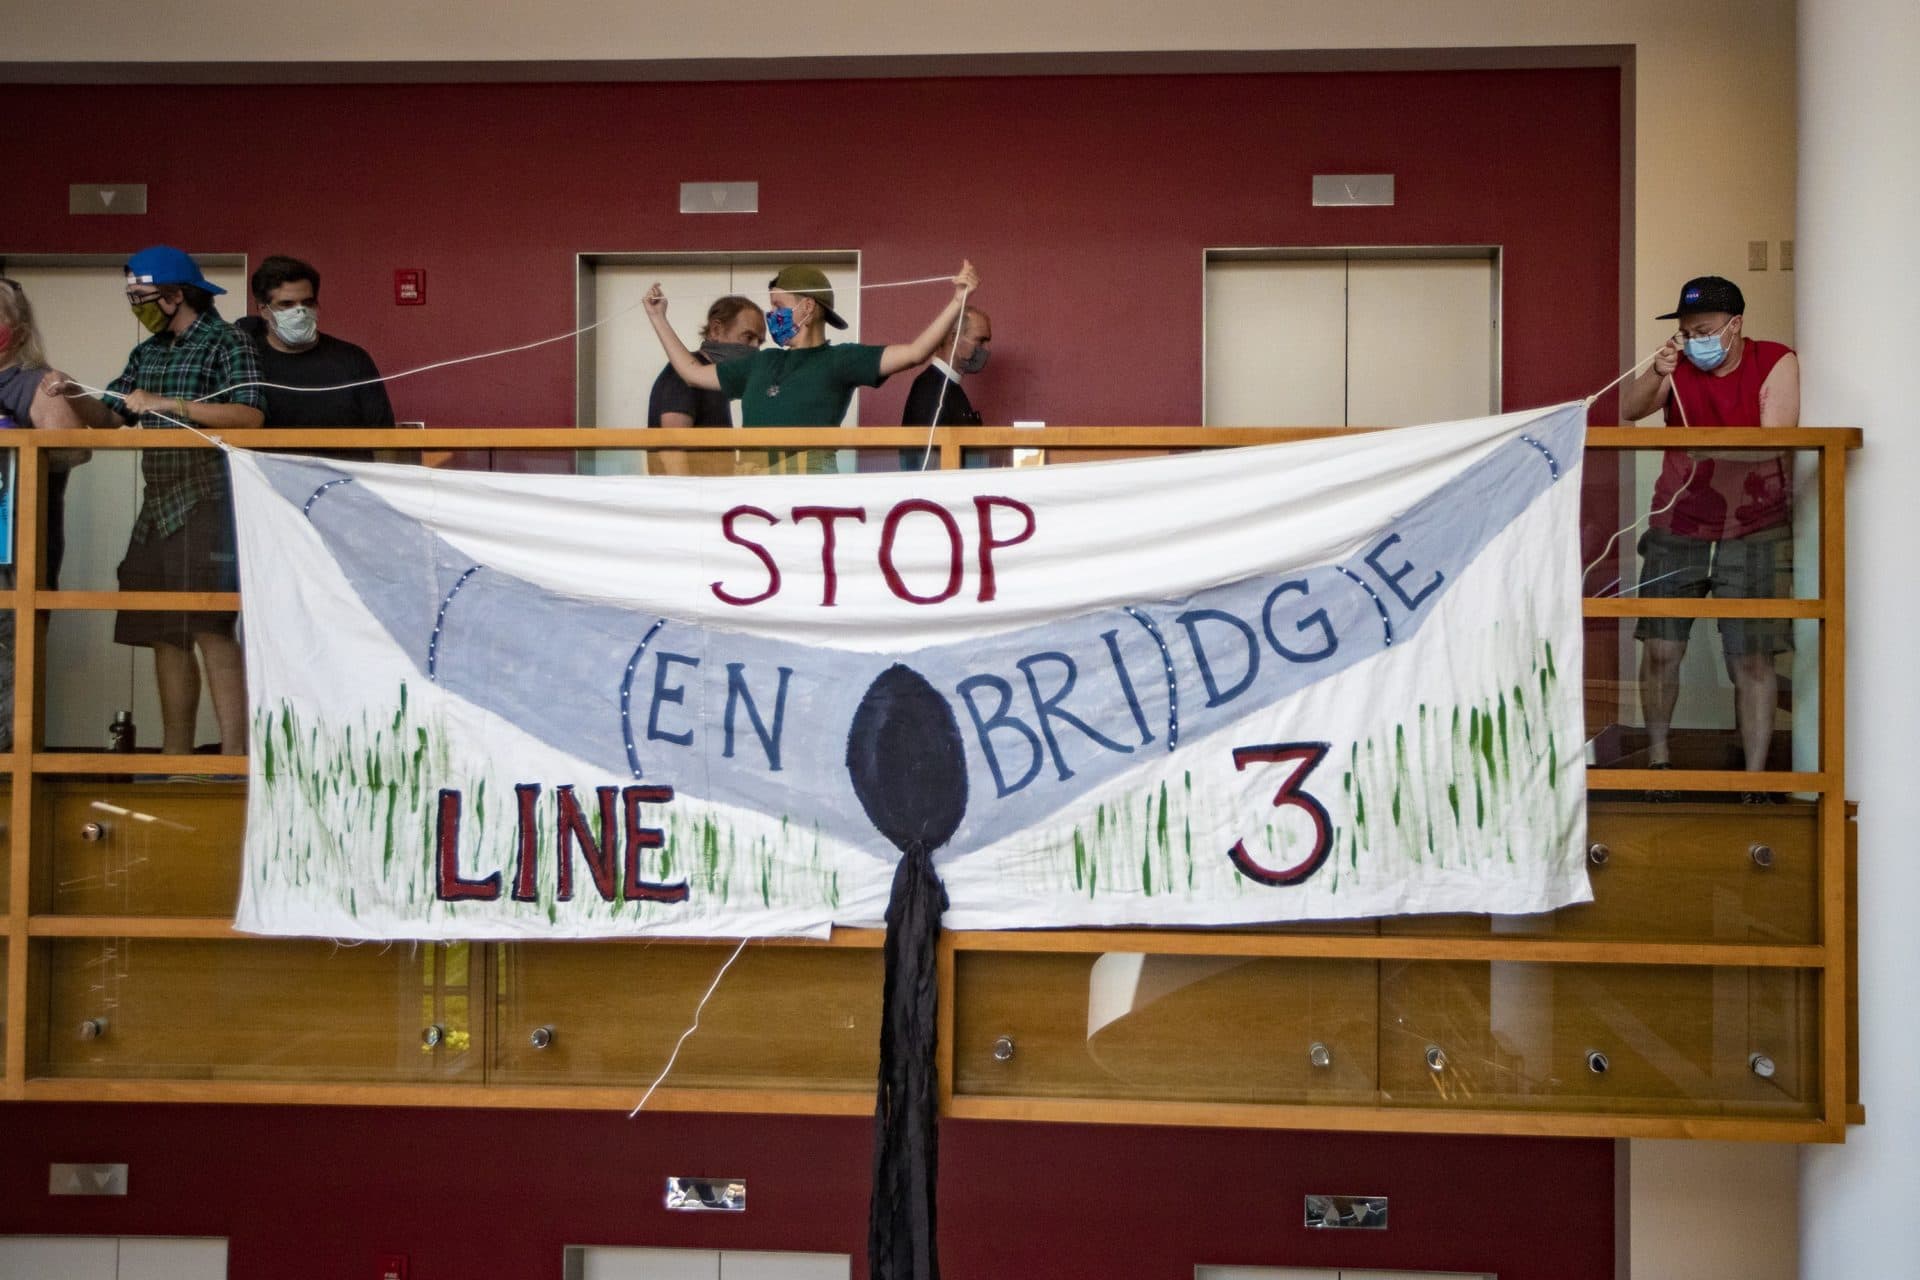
[
  {"x": 294, "y": 353},
  {"x": 735, "y": 327},
  {"x": 955, "y": 409}
]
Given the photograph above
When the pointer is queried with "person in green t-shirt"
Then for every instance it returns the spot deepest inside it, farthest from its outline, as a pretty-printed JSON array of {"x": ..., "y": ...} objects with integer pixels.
[{"x": 807, "y": 381}]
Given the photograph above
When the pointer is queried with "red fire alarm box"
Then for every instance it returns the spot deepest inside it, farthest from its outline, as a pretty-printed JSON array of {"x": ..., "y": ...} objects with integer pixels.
[
  {"x": 392, "y": 1266},
  {"x": 410, "y": 286}
]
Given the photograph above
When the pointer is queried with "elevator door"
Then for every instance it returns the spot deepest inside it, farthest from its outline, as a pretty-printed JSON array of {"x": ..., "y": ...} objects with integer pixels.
[
  {"x": 1351, "y": 339},
  {"x": 589, "y": 1263},
  {"x": 1309, "y": 1273},
  {"x": 112, "y": 1258}
]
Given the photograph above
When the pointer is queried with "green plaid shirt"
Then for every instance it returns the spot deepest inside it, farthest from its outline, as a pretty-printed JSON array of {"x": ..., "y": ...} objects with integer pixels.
[{"x": 208, "y": 357}]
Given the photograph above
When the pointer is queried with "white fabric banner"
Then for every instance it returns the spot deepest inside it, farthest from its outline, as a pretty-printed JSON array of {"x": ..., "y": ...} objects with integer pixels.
[{"x": 1309, "y": 681}]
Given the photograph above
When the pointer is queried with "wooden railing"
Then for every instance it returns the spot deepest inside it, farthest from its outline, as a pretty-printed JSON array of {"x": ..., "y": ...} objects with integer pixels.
[{"x": 1705, "y": 993}]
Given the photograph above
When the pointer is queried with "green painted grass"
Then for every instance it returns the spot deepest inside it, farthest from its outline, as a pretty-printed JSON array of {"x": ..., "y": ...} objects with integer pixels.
[
  {"x": 1482, "y": 801},
  {"x": 345, "y": 813},
  {"x": 1447, "y": 787},
  {"x": 344, "y": 817}
]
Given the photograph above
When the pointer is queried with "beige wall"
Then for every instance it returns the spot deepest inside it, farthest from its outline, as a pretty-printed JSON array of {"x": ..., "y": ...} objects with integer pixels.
[{"x": 1710, "y": 1211}]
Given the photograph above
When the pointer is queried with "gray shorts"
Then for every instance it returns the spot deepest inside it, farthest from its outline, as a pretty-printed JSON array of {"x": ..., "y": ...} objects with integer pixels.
[{"x": 1759, "y": 567}]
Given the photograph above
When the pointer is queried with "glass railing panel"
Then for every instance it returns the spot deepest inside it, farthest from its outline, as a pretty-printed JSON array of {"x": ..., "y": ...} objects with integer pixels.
[
  {"x": 1617, "y": 1039},
  {"x": 783, "y": 1018},
  {"x": 102, "y": 689},
  {"x": 1741, "y": 523},
  {"x": 1055, "y": 456},
  {"x": 733, "y": 452},
  {"x": 90, "y": 524},
  {"x": 997, "y": 457},
  {"x": 1226, "y": 1029},
  {"x": 6, "y": 843},
  {"x": 723, "y": 458},
  {"x": 232, "y": 1010},
  {"x": 1699, "y": 685},
  {"x": 89, "y": 517}
]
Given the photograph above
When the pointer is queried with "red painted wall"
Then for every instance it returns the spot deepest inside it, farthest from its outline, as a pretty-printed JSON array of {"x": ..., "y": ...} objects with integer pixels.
[
  {"x": 317, "y": 1194},
  {"x": 1086, "y": 202}
]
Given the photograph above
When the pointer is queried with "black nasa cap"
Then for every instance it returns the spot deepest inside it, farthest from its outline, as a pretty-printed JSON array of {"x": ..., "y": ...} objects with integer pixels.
[{"x": 1708, "y": 293}]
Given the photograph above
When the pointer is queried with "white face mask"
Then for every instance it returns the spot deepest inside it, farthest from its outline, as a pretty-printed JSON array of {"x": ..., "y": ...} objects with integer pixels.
[{"x": 297, "y": 326}]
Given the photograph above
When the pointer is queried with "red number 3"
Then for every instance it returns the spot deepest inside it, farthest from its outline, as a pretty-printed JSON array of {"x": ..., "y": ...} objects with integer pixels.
[{"x": 1304, "y": 756}]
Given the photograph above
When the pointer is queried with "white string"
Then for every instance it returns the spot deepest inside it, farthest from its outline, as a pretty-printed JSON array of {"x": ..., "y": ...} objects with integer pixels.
[
  {"x": 927, "y": 449},
  {"x": 438, "y": 364},
  {"x": 878, "y": 284},
  {"x": 1648, "y": 359},
  {"x": 215, "y": 441},
  {"x": 675, "y": 1055},
  {"x": 946, "y": 380},
  {"x": 1677, "y": 495},
  {"x": 504, "y": 351},
  {"x": 1653, "y": 355},
  {"x": 1647, "y": 582},
  {"x": 901, "y": 284},
  {"x": 1674, "y": 389}
]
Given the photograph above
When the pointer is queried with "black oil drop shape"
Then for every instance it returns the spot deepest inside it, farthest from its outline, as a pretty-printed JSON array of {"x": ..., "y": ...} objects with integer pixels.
[{"x": 907, "y": 762}]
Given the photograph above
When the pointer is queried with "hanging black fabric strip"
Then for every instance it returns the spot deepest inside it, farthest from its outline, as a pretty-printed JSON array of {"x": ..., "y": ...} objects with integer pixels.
[{"x": 902, "y": 1238}]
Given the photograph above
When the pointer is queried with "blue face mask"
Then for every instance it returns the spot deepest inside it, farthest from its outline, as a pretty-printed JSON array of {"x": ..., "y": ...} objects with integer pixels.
[
  {"x": 780, "y": 326},
  {"x": 1706, "y": 354}
]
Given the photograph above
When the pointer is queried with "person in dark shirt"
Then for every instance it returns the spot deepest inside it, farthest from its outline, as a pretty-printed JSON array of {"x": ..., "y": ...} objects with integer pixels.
[
  {"x": 735, "y": 328},
  {"x": 294, "y": 353},
  {"x": 926, "y": 396}
]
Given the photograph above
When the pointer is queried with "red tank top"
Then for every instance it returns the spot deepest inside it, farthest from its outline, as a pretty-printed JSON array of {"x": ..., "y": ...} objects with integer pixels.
[{"x": 1723, "y": 499}]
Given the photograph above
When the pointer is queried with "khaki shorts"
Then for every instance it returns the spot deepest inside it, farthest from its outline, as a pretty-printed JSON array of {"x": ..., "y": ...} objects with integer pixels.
[{"x": 1759, "y": 567}]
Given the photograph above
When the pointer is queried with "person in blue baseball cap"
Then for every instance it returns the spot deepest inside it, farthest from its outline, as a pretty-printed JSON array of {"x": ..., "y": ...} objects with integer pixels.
[{"x": 198, "y": 371}]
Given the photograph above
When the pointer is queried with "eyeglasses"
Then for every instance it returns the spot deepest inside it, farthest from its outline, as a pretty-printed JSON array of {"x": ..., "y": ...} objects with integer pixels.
[
  {"x": 1685, "y": 333},
  {"x": 141, "y": 299}
]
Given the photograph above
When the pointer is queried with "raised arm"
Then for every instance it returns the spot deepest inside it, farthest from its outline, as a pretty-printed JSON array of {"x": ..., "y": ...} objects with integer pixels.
[
  {"x": 704, "y": 376},
  {"x": 905, "y": 355},
  {"x": 1649, "y": 389}
]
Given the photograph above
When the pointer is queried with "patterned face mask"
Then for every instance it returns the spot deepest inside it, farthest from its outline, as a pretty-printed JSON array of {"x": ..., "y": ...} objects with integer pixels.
[{"x": 780, "y": 325}]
